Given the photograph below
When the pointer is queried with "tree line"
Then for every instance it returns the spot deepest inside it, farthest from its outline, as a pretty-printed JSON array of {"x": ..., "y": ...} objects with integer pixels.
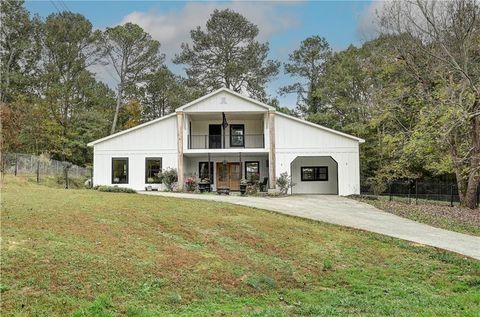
[{"x": 412, "y": 92}]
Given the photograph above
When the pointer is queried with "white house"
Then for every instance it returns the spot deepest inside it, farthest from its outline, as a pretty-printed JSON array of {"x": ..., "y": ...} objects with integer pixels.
[{"x": 231, "y": 137}]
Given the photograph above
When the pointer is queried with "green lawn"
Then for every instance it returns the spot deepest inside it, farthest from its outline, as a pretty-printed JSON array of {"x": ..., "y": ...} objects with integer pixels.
[{"x": 88, "y": 253}]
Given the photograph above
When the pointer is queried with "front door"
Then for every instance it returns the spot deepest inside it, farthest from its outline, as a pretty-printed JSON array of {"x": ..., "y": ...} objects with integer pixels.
[
  {"x": 228, "y": 176},
  {"x": 215, "y": 136}
]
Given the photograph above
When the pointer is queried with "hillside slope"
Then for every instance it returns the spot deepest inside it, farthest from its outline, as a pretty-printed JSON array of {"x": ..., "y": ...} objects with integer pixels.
[{"x": 89, "y": 253}]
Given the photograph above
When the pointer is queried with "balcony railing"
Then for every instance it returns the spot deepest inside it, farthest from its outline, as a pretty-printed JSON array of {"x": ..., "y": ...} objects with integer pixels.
[{"x": 247, "y": 141}]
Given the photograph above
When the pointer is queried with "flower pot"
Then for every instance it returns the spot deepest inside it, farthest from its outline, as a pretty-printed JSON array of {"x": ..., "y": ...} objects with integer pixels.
[
  {"x": 204, "y": 187},
  {"x": 243, "y": 189}
]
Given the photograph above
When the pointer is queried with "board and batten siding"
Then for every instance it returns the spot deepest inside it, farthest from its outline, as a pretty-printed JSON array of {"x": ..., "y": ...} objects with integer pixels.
[
  {"x": 224, "y": 102},
  {"x": 298, "y": 139},
  {"x": 158, "y": 139}
]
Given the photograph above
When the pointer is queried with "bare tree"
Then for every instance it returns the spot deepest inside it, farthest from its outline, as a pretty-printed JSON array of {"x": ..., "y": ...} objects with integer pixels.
[{"x": 439, "y": 42}]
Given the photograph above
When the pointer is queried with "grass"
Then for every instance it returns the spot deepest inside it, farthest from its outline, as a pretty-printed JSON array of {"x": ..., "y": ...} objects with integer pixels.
[
  {"x": 55, "y": 181},
  {"x": 90, "y": 253},
  {"x": 456, "y": 218}
]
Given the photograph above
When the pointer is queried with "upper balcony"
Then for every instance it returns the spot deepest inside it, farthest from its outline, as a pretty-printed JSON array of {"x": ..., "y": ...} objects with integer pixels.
[
  {"x": 244, "y": 131},
  {"x": 227, "y": 141}
]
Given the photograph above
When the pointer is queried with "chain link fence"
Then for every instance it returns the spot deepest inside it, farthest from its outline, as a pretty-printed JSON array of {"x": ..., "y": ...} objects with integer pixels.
[
  {"x": 417, "y": 192},
  {"x": 41, "y": 166}
]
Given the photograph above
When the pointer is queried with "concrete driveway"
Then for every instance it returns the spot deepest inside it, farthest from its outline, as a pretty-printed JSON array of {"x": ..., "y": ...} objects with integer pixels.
[{"x": 351, "y": 213}]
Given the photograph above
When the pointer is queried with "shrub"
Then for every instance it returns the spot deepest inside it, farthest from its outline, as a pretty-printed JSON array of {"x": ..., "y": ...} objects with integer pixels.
[
  {"x": 168, "y": 177},
  {"x": 60, "y": 179},
  {"x": 191, "y": 184},
  {"x": 254, "y": 178},
  {"x": 251, "y": 189},
  {"x": 253, "y": 184},
  {"x": 284, "y": 182},
  {"x": 177, "y": 188},
  {"x": 114, "y": 189},
  {"x": 77, "y": 182},
  {"x": 275, "y": 194},
  {"x": 377, "y": 185}
]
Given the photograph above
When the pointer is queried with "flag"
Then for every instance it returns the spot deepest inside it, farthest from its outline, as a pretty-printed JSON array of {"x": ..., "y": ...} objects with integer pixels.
[{"x": 224, "y": 123}]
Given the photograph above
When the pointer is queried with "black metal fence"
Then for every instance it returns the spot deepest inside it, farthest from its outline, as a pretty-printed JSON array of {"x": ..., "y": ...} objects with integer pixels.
[{"x": 417, "y": 192}]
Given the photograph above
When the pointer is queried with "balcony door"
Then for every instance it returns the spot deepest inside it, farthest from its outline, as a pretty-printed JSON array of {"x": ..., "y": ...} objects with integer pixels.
[{"x": 215, "y": 136}]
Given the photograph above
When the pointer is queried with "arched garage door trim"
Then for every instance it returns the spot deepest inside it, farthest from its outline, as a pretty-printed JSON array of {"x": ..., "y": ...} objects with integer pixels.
[{"x": 313, "y": 157}]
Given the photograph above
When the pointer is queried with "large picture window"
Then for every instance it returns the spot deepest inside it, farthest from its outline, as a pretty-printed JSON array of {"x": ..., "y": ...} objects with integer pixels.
[
  {"x": 203, "y": 171},
  {"x": 120, "y": 170},
  {"x": 237, "y": 135},
  {"x": 153, "y": 166},
  {"x": 252, "y": 168},
  {"x": 314, "y": 173}
]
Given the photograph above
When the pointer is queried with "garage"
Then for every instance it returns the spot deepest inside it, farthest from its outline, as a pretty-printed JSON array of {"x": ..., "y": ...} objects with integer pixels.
[{"x": 314, "y": 175}]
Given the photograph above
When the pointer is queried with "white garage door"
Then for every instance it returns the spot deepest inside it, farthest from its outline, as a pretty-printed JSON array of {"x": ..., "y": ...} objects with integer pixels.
[{"x": 314, "y": 175}]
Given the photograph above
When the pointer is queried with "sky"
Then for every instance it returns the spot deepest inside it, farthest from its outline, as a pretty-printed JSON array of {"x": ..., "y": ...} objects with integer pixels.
[{"x": 282, "y": 24}]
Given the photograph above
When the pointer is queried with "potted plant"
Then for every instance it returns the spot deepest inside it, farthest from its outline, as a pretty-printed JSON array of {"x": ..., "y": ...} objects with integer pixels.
[
  {"x": 243, "y": 186},
  {"x": 190, "y": 184}
]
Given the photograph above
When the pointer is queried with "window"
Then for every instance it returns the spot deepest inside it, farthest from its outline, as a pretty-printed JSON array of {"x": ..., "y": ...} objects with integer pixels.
[
  {"x": 315, "y": 173},
  {"x": 153, "y": 166},
  {"x": 120, "y": 170},
  {"x": 252, "y": 168},
  {"x": 203, "y": 171},
  {"x": 237, "y": 135}
]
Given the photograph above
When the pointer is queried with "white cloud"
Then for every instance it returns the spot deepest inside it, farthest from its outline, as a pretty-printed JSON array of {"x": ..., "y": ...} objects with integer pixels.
[
  {"x": 105, "y": 74},
  {"x": 173, "y": 28},
  {"x": 368, "y": 26}
]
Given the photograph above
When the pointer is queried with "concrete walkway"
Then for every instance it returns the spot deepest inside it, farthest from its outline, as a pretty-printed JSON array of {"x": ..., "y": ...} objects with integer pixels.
[{"x": 351, "y": 213}]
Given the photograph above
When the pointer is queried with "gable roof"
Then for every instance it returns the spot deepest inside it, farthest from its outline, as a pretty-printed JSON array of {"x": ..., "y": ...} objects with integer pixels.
[
  {"x": 270, "y": 108},
  {"x": 261, "y": 104},
  {"x": 111, "y": 136},
  {"x": 360, "y": 140},
  {"x": 216, "y": 92}
]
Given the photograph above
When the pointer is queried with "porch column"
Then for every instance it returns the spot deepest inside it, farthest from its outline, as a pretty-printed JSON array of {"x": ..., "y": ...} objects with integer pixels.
[
  {"x": 241, "y": 169},
  {"x": 210, "y": 172},
  {"x": 271, "y": 153},
  {"x": 180, "y": 170}
]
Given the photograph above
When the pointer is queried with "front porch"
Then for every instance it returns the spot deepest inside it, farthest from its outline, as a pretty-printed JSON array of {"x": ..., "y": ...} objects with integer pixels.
[{"x": 226, "y": 170}]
